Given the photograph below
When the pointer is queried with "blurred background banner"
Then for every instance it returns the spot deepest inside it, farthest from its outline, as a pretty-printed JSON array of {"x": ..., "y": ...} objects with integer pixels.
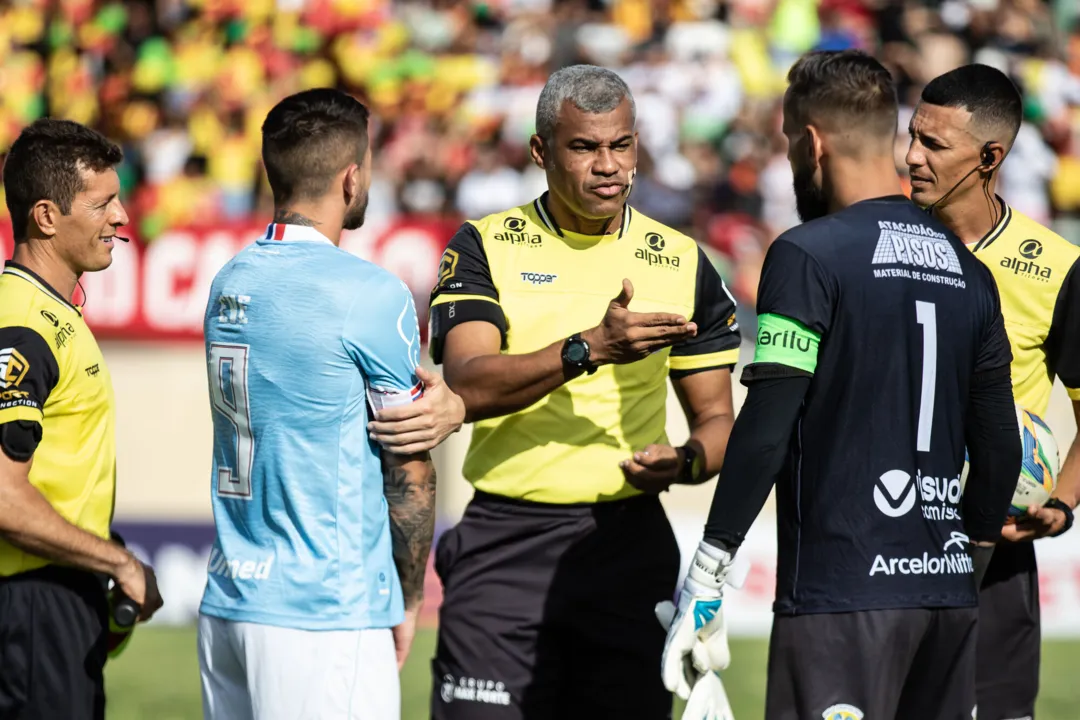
[
  {"x": 158, "y": 291},
  {"x": 183, "y": 86}
]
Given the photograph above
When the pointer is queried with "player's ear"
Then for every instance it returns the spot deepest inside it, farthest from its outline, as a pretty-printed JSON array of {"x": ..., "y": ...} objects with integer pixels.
[
  {"x": 815, "y": 145},
  {"x": 538, "y": 150},
  {"x": 45, "y": 214},
  {"x": 991, "y": 155},
  {"x": 351, "y": 182}
]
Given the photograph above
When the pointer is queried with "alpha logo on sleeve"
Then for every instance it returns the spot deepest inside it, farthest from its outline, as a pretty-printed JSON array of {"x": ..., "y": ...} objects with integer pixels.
[
  {"x": 13, "y": 368},
  {"x": 916, "y": 246},
  {"x": 843, "y": 711}
]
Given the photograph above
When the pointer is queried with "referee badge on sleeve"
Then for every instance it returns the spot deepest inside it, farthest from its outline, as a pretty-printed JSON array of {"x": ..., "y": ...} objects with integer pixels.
[
  {"x": 447, "y": 266},
  {"x": 13, "y": 368}
]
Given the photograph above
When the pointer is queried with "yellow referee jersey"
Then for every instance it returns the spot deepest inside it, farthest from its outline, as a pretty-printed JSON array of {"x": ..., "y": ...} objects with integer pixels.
[
  {"x": 52, "y": 373},
  {"x": 1038, "y": 276},
  {"x": 539, "y": 283}
]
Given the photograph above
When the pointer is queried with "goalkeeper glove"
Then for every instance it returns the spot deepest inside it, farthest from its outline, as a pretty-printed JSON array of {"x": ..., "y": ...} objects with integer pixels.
[
  {"x": 708, "y": 701},
  {"x": 697, "y": 637}
]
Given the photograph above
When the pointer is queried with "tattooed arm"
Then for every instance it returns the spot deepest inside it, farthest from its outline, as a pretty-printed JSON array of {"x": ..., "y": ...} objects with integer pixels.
[{"x": 409, "y": 486}]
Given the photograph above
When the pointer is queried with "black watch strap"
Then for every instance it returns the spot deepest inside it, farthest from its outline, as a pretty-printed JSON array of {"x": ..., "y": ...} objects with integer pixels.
[
  {"x": 575, "y": 354},
  {"x": 688, "y": 473},
  {"x": 1056, "y": 504}
]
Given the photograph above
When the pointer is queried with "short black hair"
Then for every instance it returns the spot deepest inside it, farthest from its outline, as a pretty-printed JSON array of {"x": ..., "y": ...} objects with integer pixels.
[
  {"x": 841, "y": 89},
  {"x": 309, "y": 137},
  {"x": 46, "y": 162},
  {"x": 987, "y": 93}
]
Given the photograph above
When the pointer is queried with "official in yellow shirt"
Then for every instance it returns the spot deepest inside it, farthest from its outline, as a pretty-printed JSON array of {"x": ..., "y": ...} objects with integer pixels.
[
  {"x": 57, "y": 424},
  {"x": 559, "y": 323},
  {"x": 961, "y": 132}
]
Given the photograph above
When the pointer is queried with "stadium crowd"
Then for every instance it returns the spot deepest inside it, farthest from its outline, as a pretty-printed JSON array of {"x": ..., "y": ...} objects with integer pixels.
[{"x": 183, "y": 85}]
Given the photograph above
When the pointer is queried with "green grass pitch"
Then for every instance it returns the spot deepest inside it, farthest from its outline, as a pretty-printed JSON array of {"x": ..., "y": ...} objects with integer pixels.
[{"x": 158, "y": 677}]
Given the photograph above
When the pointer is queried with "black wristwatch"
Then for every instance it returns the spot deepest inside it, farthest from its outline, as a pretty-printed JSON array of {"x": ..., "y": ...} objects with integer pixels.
[
  {"x": 691, "y": 466},
  {"x": 575, "y": 354},
  {"x": 1056, "y": 504}
]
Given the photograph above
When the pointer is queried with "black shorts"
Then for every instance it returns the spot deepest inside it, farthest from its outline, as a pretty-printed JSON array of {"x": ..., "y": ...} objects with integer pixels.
[
  {"x": 1007, "y": 673},
  {"x": 875, "y": 664},
  {"x": 548, "y": 611},
  {"x": 53, "y": 645}
]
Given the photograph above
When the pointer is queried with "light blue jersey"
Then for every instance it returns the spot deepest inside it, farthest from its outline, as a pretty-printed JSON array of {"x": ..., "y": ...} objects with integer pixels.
[{"x": 298, "y": 334}]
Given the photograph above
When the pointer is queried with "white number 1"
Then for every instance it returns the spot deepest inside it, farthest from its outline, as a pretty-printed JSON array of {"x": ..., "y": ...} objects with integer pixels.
[
  {"x": 926, "y": 315},
  {"x": 229, "y": 396}
]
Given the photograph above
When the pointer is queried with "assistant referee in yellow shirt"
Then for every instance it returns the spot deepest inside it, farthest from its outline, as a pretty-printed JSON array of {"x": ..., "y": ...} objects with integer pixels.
[
  {"x": 58, "y": 465},
  {"x": 551, "y": 577},
  {"x": 961, "y": 131}
]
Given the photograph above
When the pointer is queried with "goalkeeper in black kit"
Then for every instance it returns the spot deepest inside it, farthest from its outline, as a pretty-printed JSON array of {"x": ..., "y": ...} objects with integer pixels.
[{"x": 881, "y": 353}]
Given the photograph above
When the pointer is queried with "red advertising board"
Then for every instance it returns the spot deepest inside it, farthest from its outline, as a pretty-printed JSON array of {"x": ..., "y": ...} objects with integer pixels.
[{"x": 158, "y": 291}]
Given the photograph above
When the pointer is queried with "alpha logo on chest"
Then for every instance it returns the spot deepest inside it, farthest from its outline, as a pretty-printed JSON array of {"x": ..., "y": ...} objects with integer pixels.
[
  {"x": 1028, "y": 268},
  {"x": 653, "y": 254},
  {"x": 515, "y": 233}
]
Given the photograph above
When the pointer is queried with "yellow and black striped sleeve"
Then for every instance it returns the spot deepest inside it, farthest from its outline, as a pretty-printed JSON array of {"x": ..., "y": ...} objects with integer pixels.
[
  {"x": 28, "y": 373},
  {"x": 716, "y": 344},
  {"x": 465, "y": 291},
  {"x": 1063, "y": 340}
]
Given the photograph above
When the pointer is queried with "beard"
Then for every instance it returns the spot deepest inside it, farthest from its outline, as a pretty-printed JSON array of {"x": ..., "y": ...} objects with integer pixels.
[
  {"x": 810, "y": 200},
  {"x": 354, "y": 216}
]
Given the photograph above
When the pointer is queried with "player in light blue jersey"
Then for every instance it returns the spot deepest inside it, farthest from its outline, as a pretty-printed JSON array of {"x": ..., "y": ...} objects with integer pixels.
[{"x": 316, "y": 576}]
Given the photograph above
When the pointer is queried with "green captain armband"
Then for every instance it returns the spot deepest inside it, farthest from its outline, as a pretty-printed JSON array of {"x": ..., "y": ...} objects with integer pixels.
[{"x": 783, "y": 341}]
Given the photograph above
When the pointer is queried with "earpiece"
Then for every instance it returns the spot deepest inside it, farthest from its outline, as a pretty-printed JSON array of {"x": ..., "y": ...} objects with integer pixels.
[{"x": 987, "y": 156}]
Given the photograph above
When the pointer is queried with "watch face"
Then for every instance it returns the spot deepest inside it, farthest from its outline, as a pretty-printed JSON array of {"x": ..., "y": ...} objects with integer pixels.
[{"x": 575, "y": 352}]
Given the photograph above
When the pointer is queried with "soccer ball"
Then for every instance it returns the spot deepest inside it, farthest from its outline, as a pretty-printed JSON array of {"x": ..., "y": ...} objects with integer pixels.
[{"x": 1038, "y": 468}]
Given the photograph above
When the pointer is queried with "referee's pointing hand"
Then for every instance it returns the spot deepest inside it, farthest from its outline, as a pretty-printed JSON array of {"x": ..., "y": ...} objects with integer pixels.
[{"x": 624, "y": 336}]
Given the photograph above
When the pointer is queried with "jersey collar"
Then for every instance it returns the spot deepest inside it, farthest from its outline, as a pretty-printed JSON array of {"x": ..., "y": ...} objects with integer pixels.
[
  {"x": 997, "y": 230},
  {"x": 21, "y": 271},
  {"x": 540, "y": 205},
  {"x": 294, "y": 233}
]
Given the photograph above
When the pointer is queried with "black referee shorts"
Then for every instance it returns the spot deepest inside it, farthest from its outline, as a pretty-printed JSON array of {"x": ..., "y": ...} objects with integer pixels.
[
  {"x": 876, "y": 664},
  {"x": 548, "y": 612},
  {"x": 53, "y": 645},
  {"x": 1007, "y": 673}
]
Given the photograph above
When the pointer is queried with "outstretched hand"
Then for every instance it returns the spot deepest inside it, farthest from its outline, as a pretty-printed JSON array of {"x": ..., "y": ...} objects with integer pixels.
[{"x": 624, "y": 336}]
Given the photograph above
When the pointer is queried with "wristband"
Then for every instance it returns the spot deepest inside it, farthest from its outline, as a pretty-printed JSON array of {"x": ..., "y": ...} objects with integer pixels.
[{"x": 1056, "y": 504}]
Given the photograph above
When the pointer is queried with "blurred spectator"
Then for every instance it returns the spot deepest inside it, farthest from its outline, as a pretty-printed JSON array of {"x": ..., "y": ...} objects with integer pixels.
[{"x": 184, "y": 85}]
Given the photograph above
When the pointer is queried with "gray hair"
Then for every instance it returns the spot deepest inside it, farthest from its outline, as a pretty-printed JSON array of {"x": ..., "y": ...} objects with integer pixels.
[{"x": 590, "y": 88}]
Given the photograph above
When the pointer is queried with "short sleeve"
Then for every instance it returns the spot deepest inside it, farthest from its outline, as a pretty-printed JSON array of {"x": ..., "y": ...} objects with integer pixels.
[
  {"x": 795, "y": 306},
  {"x": 716, "y": 344},
  {"x": 382, "y": 337},
  {"x": 794, "y": 285},
  {"x": 1063, "y": 340},
  {"x": 464, "y": 291},
  {"x": 28, "y": 374}
]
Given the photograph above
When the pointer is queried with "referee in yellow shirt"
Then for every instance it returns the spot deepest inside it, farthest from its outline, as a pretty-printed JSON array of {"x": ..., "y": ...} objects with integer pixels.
[
  {"x": 961, "y": 131},
  {"x": 551, "y": 577},
  {"x": 58, "y": 465}
]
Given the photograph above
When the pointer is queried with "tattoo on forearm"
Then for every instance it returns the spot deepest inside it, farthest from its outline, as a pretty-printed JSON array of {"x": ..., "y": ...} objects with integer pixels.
[
  {"x": 411, "y": 500},
  {"x": 288, "y": 217}
]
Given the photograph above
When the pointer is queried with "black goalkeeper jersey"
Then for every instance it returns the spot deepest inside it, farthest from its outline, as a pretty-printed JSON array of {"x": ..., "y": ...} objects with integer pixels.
[{"x": 868, "y": 505}]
